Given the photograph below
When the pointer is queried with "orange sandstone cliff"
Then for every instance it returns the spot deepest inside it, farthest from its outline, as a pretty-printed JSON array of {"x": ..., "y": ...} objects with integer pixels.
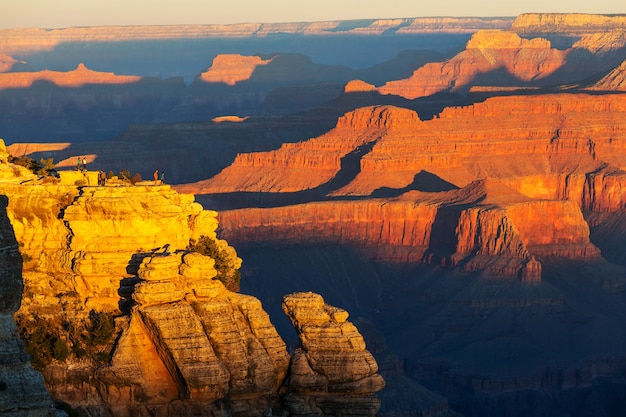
[{"x": 490, "y": 178}]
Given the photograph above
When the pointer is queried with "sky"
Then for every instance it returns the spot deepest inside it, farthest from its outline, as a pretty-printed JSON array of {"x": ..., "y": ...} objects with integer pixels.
[{"x": 67, "y": 13}]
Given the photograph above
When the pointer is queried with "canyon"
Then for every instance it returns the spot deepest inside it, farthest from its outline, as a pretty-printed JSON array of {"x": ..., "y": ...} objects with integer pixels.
[{"x": 461, "y": 195}]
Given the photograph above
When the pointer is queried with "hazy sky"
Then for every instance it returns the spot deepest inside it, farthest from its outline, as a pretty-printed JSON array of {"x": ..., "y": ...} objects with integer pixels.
[{"x": 64, "y": 13}]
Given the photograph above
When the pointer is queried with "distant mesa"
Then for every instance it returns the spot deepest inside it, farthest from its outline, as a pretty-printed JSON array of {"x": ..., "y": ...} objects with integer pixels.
[
  {"x": 566, "y": 23},
  {"x": 358, "y": 86},
  {"x": 232, "y": 68},
  {"x": 231, "y": 119},
  {"x": 78, "y": 77},
  {"x": 488, "y": 51},
  {"x": 36, "y": 39}
]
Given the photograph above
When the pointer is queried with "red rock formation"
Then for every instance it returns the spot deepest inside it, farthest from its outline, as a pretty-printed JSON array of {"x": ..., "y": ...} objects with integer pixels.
[
  {"x": 76, "y": 78},
  {"x": 521, "y": 60},
  {"x": 300, "y": 166},
  {"x": 554, "y": 140},
  {"x": 232, "y": 68},
  {"x": 501, "y": 232}
]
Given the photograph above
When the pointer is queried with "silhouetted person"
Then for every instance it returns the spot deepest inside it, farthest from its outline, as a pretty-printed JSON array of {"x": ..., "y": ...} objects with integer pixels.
[{"x": 163, "y": 177}]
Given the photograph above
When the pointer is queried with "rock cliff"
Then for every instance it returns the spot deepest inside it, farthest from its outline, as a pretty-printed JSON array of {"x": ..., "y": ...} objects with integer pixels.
[
  {"x": 504, "y": 56},
  {"x": 34, "y": 39},
  {"x": 566, "y": 23},
  {"x": 331, "y": 372},
  {"x": 124, "y": 317},
  {"x": 22, "y": 389},
  {"x": 231, "y": 69},
  {"x": 469, "y": 188}
]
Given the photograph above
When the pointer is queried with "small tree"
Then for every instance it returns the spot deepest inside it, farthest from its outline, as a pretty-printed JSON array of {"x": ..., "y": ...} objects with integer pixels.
[
  {"x": 135, "y": 179},
  {"x": 226, "y": 261},
  {"x": 124, "y": 175}
]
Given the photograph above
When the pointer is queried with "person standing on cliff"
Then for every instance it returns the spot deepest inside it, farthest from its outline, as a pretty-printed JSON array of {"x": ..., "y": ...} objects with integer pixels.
[
  {"x": 162, "y": 177},
  {"x": 78, "y": 165},
  {"x": 156, "y": 176},
  {"x": 84, "y": 164}
]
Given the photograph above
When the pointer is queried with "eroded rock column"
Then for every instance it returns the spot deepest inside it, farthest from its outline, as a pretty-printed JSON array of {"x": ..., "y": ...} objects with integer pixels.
[{"x": 332, "y": 372}]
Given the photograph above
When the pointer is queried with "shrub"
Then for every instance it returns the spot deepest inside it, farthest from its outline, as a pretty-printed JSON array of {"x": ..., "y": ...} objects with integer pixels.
[
  {"x": 225, "y": 260},
  {"x": 47, "y": 340},
  {"x": 60, "y": 350},
  {"x": 43, "y": 167},
  {"x": 124, "y": 175},
  {"x": 135, "y": 179}
]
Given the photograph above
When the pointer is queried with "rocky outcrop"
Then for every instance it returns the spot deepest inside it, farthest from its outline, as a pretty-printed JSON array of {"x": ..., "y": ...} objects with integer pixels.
[
  {"x": 202, "y": 343},
  {"x": 289, "y": 168},
  {"x": 231, "y": 68},
  {"x": 332, "y": 373},
  {"x": 136, "y": 321},
  {"x": 507, "y": 58},
  {"x": 75, "y": 78},
  {"x": 22, "y": 389}
]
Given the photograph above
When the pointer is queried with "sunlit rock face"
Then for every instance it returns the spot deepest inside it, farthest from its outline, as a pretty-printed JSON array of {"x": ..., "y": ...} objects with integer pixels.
[
  {"x": 231, "y": 68},
  {"x": 180, "y": 342},
  {"x": 509, "y": 59},
  {"x": 75, "y": 78},
  {"x": 189, "y": 344},
  {"x": 22, "y": 390},
  {"x": 493, "y": 186},
  {"x": 332, "y": 372}
]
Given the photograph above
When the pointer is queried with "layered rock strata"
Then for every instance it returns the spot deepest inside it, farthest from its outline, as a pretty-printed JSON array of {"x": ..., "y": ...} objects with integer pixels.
[
  {"x": 567, "y": 23},
  {"x": 332, "y": 372},
  {"x": 509, "y": 60},
  {"x": 22, "y": 389},
  {"x": 180, "y": 342},
  {"x": 33, "y": 39},
  {"x": 199, "y": 344},
  {"x": 555, "y": 141}
]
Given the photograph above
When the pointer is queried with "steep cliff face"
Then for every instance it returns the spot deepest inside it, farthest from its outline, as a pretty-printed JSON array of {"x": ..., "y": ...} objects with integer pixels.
[
  {"x": 22, "y": 389},
  {"x": 541, "y": 146},
  {"x": 290, "y": 168},
  {"x": 124, "y": 318},
  {"x": 332, "y": 373},
  {"x": 231, "y": 69}
]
